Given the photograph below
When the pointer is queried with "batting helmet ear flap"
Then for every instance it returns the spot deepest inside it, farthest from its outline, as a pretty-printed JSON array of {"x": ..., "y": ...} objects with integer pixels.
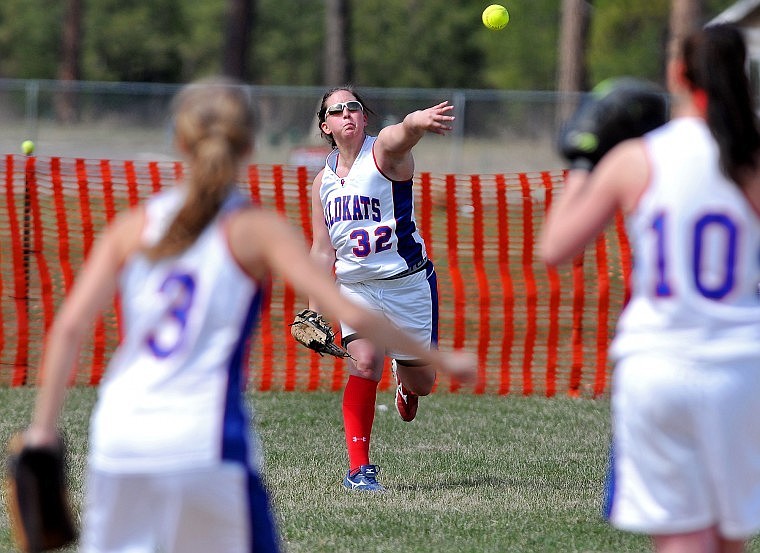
[{"x": 616, "y": 110}]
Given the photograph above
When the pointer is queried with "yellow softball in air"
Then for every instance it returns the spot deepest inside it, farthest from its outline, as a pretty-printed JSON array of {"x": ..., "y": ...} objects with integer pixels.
[{"x": 495, "y": 17}]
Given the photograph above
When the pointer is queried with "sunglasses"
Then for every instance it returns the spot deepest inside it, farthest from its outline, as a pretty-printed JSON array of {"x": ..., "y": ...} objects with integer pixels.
[{"x": 351, "y": 105}]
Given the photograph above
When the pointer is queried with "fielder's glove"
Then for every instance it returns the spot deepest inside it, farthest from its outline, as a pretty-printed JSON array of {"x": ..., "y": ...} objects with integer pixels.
[
  {"x": 37, "y": 497},
  {"x": 616, "y": 110},
  {"x": 311, "y": 330}
]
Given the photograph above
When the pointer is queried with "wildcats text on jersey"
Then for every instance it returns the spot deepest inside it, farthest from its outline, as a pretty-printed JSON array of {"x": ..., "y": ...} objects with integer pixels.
[{"x": 352, "y": 207}]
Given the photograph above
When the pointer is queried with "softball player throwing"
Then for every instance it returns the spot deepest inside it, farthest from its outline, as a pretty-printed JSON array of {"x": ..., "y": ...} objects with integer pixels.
[{"x": 365, "y": 231}]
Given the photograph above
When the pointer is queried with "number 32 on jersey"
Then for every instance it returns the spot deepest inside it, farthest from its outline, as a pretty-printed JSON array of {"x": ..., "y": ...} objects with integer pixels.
[{"x": 369, "y": 241}]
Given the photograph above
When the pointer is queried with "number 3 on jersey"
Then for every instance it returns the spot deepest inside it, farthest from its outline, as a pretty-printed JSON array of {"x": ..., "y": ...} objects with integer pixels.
[
  {"x": 180, "y": 287},
  {"x": 380, "y": 238}
]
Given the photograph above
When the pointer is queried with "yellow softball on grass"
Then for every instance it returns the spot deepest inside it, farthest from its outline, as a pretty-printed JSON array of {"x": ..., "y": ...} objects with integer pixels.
[{"x": 495, "y": 17}]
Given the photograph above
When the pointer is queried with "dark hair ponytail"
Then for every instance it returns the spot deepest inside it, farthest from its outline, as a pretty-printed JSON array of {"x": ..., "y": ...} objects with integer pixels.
[{"x": 715, "y": 59}]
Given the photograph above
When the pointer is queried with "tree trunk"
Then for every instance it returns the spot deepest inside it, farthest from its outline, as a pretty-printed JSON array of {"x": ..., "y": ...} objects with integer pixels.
[
  {"x": 338, "y": 66},
  {"x": 685, "y": 16},
  {"x": 69, "y": 67},
  {"x": 237, "y": 38},
  {"x": 572, "y": 54}
]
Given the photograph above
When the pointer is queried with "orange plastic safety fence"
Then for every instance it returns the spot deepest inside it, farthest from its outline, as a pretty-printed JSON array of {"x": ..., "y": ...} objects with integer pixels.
[{"x": 535, "y": 330}]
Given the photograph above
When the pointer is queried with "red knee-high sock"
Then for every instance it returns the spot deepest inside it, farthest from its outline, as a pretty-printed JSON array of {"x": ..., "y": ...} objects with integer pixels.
[{"x": 358, "y": 416}]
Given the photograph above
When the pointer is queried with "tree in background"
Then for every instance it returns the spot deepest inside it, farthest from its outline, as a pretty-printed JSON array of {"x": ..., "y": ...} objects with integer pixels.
[
  {"x": 69, "y": 68},
  {"x": 391, "y": 43},
  {"x": 628, "y": 39},
  {"x": 30, "y": 38},
  {"x": 288, "y": 50},
  {"x": 139, "y": 41},
  {"x": 572, "y": 51},
  {"x": 685, "y": 16},
  {"x": 524, "y": 55},
  {"x": 632, "y": 38},
  {"x": 338, "y": 67},
  {"x": 418, "y": 44},
  {"x": 237, "y": 38}
]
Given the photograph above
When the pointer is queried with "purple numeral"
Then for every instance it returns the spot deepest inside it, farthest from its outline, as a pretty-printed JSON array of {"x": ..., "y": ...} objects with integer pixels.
[
  {"x": 363, "y": 247},
  {"x": 717, "y": 224},
  {"x": 180, "y": 287},
  {"x": 384, "y": 235},
  {"x": 662, "y": 288}
]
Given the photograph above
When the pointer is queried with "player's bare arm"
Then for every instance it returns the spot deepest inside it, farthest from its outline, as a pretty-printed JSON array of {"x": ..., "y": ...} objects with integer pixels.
[
  {"x": 589, "y": 201},
  {"x": 322, "y": 251},
  {"x": 393, "y": 147},
  {"x": 93, "y": 288},
  {"x": 283, "y": 250}
]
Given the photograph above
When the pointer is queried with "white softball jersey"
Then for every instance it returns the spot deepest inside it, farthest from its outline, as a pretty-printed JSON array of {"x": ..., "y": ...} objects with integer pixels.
[
  {"x": 370, "y": 219},
  {"x": 696, "y": 244},
  {"x": 171, "y": 397}
]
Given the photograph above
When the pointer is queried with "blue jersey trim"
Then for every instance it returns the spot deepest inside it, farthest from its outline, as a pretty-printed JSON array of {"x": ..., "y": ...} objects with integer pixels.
[
  {"x": 264, "y": 537},
  {"x": 235, "y": 426},
  {"x": 403, "y": 204},
  {"x": 432, "y": 279},
  {"x": 609, "y": 496}
]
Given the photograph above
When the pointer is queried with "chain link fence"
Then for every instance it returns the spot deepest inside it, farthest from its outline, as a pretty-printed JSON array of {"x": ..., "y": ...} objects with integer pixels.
[{"x": 495, "y": 131}]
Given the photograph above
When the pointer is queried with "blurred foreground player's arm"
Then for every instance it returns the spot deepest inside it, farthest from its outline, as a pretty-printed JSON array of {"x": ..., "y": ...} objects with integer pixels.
[{"x": 608, "y": 163}]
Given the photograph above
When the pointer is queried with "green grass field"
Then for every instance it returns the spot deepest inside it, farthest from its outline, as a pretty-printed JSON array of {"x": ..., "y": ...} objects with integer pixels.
[{"x": 471, "y": 474}]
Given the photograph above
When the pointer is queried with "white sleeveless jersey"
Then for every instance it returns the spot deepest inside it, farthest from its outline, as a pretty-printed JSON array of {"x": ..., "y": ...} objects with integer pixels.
[
  {"x": 696, "y": 243},
  {"x": 370, "y": 219},
  {"x": 172, "y": 395}
]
